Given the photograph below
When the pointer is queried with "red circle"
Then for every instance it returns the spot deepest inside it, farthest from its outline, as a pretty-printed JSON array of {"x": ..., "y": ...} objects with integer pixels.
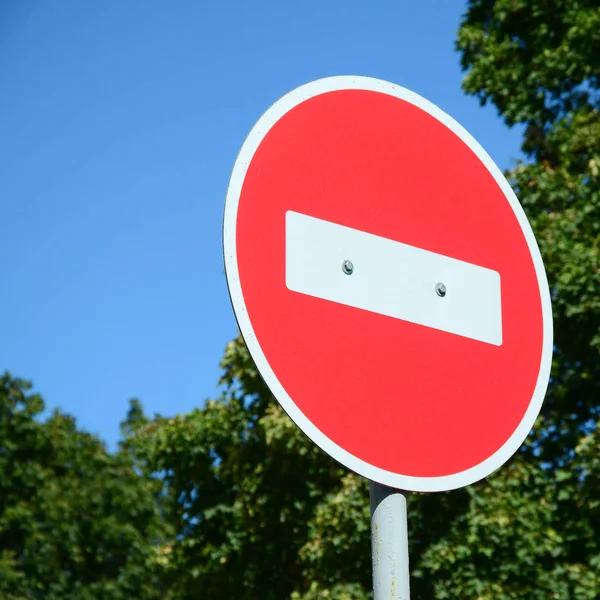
[{"x": 400, "y": 396}]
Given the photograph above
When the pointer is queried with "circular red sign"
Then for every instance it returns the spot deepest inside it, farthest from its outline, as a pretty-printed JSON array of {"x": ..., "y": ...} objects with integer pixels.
[{"x": 404, "y": 404}]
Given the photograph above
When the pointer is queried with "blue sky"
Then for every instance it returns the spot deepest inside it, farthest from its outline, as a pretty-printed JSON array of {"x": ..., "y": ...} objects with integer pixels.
[{"x": 119, "y": 125}]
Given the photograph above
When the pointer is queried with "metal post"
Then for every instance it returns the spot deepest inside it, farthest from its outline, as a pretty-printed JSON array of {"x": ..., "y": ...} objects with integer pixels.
[{"x": 389, "y": 543}]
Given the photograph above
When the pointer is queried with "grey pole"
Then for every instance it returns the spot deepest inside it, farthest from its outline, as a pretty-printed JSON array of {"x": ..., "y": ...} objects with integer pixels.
[{"x": 389, "y": 543}]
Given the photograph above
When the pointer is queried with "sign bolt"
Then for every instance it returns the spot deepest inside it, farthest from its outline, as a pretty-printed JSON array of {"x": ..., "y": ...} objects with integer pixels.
[
  {"x": 440, "y": 289},
  {"x": 347, "y": 267}
]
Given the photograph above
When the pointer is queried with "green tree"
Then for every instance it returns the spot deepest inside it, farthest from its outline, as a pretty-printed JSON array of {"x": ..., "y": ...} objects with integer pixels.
[
  {"x": 246, "y": 488},
  {"x": 76, "y": 522}
]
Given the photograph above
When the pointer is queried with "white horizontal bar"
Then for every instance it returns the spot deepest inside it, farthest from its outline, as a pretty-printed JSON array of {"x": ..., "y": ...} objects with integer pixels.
[{"x": 392, "y": 279}]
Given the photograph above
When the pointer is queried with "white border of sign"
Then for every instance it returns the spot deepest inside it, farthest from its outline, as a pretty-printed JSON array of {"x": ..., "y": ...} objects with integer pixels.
[{"x": 395, "y": 480}]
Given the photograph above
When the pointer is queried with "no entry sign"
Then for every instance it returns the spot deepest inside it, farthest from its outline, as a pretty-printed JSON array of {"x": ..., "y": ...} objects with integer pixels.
[{"x": 387, "y": 284}]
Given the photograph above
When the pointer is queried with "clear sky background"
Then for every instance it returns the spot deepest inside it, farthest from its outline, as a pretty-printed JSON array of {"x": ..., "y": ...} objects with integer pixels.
[{"x": 120, "y": 122}]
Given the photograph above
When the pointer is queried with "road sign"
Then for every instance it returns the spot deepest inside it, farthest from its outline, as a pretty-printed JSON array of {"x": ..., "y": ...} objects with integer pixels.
[{"x": 387, "y": 283}]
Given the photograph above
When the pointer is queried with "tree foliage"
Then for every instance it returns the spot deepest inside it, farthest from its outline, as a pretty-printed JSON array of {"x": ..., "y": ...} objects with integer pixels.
[
  {"x": 248, "y": 490},
  {"x": 75, "y": 521}
]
